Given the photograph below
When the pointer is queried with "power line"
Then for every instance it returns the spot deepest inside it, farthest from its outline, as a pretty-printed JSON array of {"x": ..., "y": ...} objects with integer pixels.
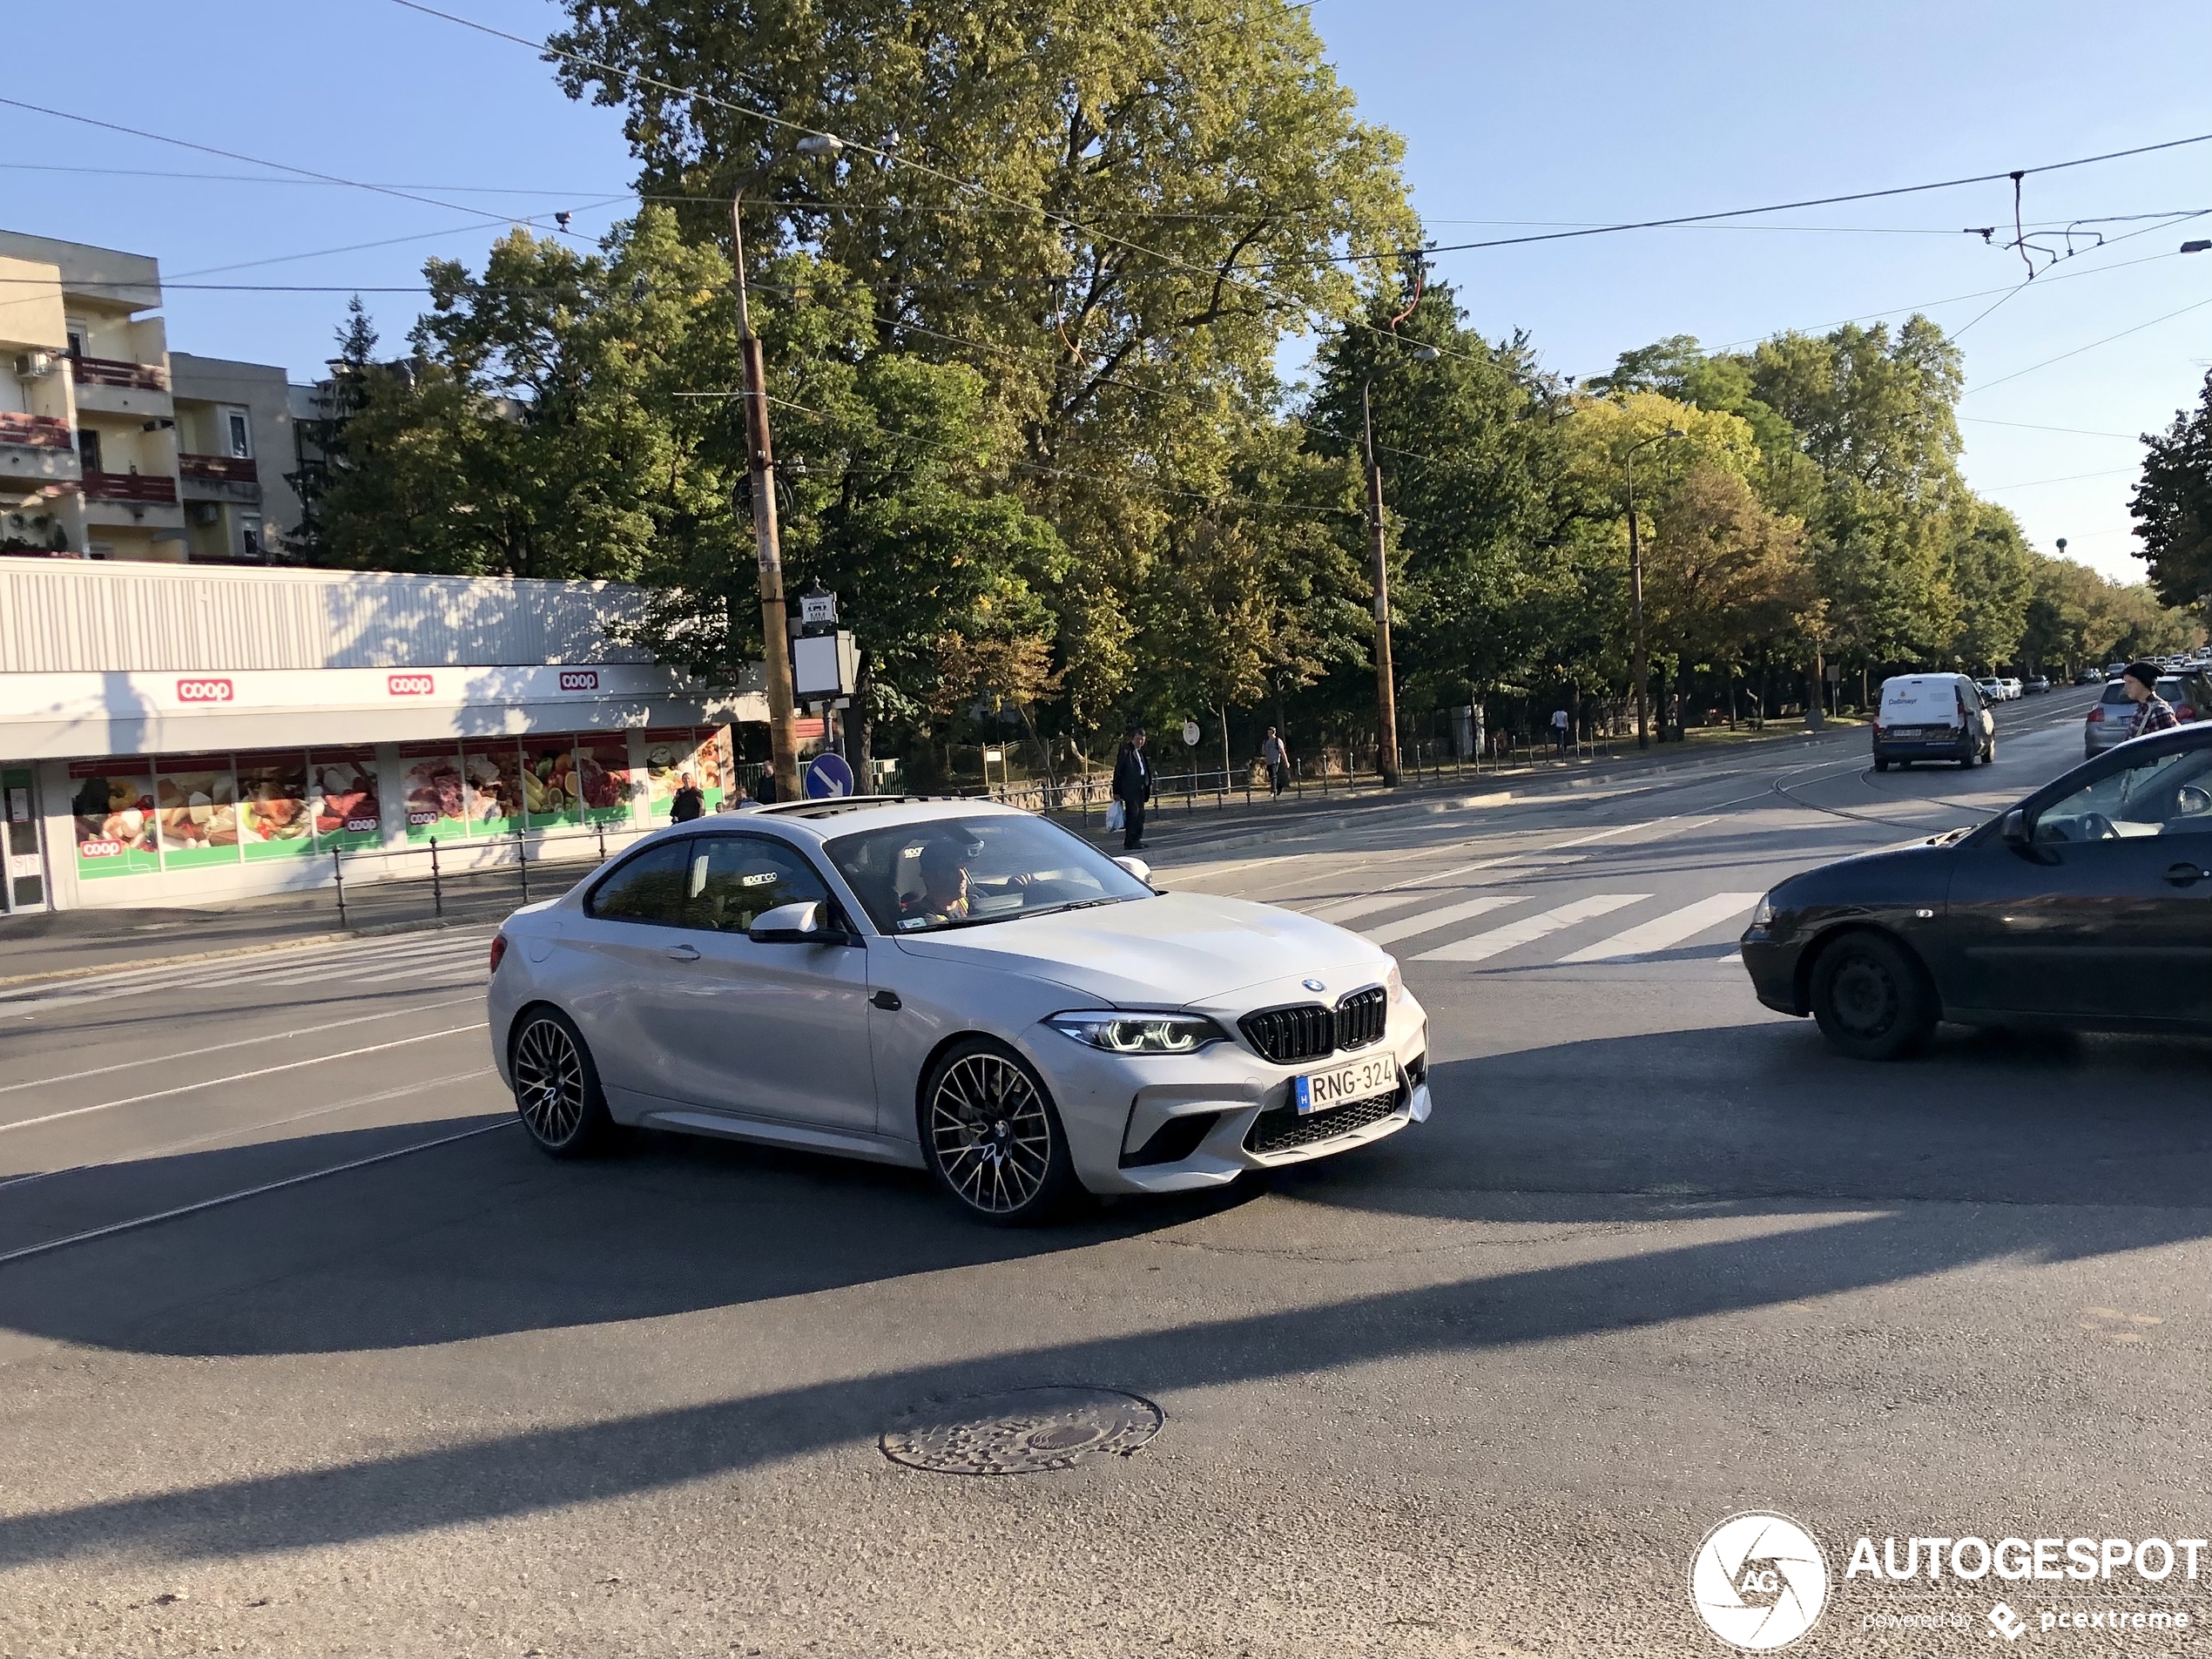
[
  {"x": 2092, "y": 346},
  {"x": 2075, "y": 431}
]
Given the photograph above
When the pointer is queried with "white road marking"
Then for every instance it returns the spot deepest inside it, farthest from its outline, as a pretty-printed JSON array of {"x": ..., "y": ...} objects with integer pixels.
[
  {"x": 90, "y": 1234},
  {"x": 1431, "y": 921},
  {"x": 222, "y": 972},
  {"x": 239, "y": 1077},
  {"x": 1481, "y": 947},
  {"x": 1662, "y": 932},
  {"x": 241, "y": 1042}
]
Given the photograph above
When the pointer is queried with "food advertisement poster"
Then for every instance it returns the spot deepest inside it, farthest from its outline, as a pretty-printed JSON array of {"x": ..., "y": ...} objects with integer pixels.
[
  {"x": 430, "y": 785},
  {"x": 715, "y": 767},
  {"x": 196, "y": 803},
  {"x": 603, "y": 773},
  {"x": 113, "y": 807},
  {"x": 342, "y": 796},
  {"x": 492, "y": 767},
  {"x": 552, "y": 792},
  {"x": 670, "y": 753},
  {"x": 273, "y": 820}
]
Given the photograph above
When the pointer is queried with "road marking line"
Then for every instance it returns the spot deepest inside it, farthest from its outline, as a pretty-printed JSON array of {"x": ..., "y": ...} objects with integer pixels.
[
  {"x": 1389, "y": 933},
  {"x": 241, "y": 1042},
  {"x": 242, "y": 1076},
  {"x": 277, "y": 959},
  {"x": 1415, "y": 888},
  {"x": 249, "y": 1192},
  {"x": 1661, "y": 932},
  {"x": 1363, "y": 904},
  {"x": 1481, "y": 947}
]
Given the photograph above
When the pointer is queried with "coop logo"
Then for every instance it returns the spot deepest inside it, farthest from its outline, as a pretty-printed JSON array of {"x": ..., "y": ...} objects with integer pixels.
[
  {"x": 205, "y": 691},
  {"x": 1758, "y": 1582},
  {"x": 579, "y": 679},
  {"x": 99, "y": 849},
  {"x": 410, "y": 685}
]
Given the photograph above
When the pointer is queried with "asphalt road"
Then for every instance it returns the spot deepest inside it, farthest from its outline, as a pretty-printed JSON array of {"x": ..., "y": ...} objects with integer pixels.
[{"x": 303, "y": 1349}]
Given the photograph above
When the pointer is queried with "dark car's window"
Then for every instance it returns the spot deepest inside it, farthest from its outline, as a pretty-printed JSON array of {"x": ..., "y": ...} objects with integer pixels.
[
  {"x": 732, "y": 879},
  {"x": 958, "y": 873},
  {"x": 2167, "y": 794},
  {"x": 649, "y": 888}
]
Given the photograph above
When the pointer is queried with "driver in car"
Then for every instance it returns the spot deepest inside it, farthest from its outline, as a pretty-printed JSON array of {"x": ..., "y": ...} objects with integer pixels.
[{"x": 944, "y": 884}]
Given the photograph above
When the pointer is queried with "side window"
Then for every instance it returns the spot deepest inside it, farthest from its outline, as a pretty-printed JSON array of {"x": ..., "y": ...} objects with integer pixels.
[
  {"x": 732, "y": 879},
  {"x": 2168, "y": 794},
  {"x": 649, "y": 888}
]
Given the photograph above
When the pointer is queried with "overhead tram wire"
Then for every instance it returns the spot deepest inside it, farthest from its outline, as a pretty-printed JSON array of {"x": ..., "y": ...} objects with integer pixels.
[{"x": 2078, "y": 350}]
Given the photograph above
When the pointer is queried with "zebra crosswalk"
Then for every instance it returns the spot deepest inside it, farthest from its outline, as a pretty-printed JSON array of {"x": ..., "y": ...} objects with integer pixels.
[
  {"x": 1713, "y": 918},
  {"x": 422, "y": 959}
]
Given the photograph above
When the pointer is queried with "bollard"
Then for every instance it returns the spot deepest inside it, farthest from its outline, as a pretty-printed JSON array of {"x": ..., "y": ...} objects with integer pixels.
[
  {"x": 338, "y": 873},
  {"x": 437, "y": 891},
  {"x": 601, "y": 826},
  {"x": 522, "y": 861}
]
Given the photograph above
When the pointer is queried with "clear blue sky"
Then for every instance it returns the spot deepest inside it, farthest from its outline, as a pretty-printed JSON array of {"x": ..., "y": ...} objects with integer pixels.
[{"x": 1515, "y": 118}]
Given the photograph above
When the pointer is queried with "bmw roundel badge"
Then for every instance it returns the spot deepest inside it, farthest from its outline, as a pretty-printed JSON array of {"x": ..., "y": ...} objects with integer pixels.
[{"x": 1314, "y": 985}]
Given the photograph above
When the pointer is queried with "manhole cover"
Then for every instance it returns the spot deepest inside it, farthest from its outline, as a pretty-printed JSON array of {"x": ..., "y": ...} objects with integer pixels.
[{"x": 1027, "y": 1432}]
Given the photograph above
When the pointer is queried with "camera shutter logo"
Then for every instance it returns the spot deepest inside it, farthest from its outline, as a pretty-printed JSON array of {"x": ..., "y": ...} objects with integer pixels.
[
  {"x": 410, "y": 685},
  {"x": 1759, "y": 1581},
  {"x": 579, "y": 679},
  {"x": 204, "y": 690}
]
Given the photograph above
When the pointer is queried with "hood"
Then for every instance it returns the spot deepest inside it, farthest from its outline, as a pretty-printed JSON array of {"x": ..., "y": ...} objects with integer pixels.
[
  {"x": 1911, "y": 875},
  {"x": 1178, "y": 950}
]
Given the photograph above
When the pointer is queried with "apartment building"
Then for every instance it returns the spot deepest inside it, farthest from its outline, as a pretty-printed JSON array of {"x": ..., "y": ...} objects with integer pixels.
[{"x": 109, "y": 448}]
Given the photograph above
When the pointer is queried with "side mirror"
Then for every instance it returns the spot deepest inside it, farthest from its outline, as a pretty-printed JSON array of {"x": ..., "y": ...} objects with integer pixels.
[
  {"x": 790, "y": 924},
  {"x": 2012, "y": 829},
  {"x": 1137, "y": 868}
]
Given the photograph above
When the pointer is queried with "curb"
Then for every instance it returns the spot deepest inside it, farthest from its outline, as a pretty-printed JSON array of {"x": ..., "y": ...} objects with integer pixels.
[{"x": 135, "y": 964}]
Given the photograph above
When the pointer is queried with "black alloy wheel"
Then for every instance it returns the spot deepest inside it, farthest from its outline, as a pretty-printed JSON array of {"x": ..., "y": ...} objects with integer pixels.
[
  {"x": 991, "y": 1137},
  {"x": 1872, "y": 998},
  {"x": 557, "y": 1087}
]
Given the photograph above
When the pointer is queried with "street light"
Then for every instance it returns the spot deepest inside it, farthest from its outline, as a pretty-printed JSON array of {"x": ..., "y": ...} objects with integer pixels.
[
  {"x": 783, "y": 738},
  {"x": 1379, "y": 575},
  {"x": 1641, "y": 667}
]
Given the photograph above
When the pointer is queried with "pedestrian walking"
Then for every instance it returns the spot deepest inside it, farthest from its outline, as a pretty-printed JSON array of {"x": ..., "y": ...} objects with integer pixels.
[
  {"x": 1276, "y": 757},
  {"x": 689, "y": 803},
  {"x": 1562, "y": 730},
  {"x": 1132, "y": 787},
  {"x": 2153, "y": 712},
  {"x": 764, "y": 787}
]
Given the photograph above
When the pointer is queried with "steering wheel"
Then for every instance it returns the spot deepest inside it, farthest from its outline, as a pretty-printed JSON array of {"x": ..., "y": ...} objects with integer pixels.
[
  {"x": 2095, "y": 826},
  {"x": 2192, "y": 800}
]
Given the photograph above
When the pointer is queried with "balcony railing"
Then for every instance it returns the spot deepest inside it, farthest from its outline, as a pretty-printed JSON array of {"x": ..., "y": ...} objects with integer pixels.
[
  {"x": 109, "y": 371},
  {"x": 219, "y": 469},
  {"x": 130, "y": 486},
  {"x": 34, "y": 431}
]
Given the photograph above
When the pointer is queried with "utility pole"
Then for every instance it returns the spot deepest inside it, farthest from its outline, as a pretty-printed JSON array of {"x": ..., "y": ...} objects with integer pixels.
[
  {"x": 1640, "y": 665},
  {"x": 1379, "y": 573},
  {"x": 783, "y": 738}
]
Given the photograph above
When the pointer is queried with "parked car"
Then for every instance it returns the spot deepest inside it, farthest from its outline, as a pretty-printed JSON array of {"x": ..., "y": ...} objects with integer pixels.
[
  {"x": 2113, "y": 671},
  {"x": 1934, "y": 717},
  {"x": 1992, "y": 689},
  {"x": 2013, "y": 688},
  {"x": 952, "y": 986},
  {"x": 2035, "y": 682},
  {"x": 2088, "y": 903},
  {"x": 2111, "y": 719},
  {"x": 2090, "y": 677}
]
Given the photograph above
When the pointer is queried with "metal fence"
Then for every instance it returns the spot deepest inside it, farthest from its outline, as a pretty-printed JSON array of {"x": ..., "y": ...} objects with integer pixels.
[{"x": 457, "y": 879}]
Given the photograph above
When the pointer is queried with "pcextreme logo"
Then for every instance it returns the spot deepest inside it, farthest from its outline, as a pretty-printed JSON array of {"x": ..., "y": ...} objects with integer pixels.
[
  {"x": 1759, "y": 1581},
  {"x": 204, "y": 690},
  {"x": 410, "y": 685}
]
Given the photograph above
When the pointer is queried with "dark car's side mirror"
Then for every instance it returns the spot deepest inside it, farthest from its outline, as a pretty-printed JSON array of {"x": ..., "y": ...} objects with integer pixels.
[{"x": 2013, "y": 828}]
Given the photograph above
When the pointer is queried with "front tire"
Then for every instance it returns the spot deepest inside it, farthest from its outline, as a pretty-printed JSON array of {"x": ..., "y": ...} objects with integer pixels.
[
  {"x": 1871, "y": 999},
  {"x": 557, "y": 1087},
  {"x": 993, "y": 1137}
]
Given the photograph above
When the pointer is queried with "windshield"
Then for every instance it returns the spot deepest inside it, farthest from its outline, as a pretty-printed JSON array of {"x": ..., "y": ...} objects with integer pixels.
[{"x": 961, "y": 872}]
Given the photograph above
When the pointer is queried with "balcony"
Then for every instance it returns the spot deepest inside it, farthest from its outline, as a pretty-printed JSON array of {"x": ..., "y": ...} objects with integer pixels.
[
  {"x": 145, "y": 488},
  {"x": 37, "y": 431},
  {"x": 112, "y": 385},
  {"x": 219, "y": 478},
  {"x": 37, "y": 452}
]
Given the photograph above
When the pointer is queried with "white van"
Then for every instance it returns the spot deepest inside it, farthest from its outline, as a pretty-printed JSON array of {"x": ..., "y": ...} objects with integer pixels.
[{"x": 1934, "y": 717}]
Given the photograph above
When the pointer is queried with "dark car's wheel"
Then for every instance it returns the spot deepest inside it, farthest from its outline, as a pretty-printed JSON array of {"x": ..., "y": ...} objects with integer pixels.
[
  {"x": 993, "y": 1137},
  {"x": 557, "y": 1086},
  {"x": 1881, "y": 766},
  {"x": 1871, "y": 999}
]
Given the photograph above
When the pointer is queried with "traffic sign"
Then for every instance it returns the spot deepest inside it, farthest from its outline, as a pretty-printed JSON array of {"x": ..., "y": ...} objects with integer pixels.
[
  {"x": 816, "y": 610},
  {"x": 1191, "y": 732},
  {"x": 828, "y": 777}
]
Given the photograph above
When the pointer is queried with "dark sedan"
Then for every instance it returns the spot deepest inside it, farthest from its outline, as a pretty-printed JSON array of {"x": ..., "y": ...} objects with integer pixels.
[{"x": 2089, "y": 904}]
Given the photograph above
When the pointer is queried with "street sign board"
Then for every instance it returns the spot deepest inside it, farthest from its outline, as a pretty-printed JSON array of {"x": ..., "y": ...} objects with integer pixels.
[
  {"x": 817, "y": 610},
  {"x": 1191, "y": 732},
  {"x": 828, "y": 777}
]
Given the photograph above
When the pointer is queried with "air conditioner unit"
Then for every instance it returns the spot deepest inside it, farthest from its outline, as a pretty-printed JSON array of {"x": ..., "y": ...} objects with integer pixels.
[{"x": 34, "y": 365}]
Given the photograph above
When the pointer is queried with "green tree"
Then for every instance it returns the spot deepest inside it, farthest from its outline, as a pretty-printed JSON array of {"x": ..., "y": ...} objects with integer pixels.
[{"x": 2173, "y": 505}]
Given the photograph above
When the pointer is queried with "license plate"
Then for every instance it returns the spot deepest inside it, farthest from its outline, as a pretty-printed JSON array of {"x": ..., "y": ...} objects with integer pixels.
[{"x": 1322, "y": 1091}]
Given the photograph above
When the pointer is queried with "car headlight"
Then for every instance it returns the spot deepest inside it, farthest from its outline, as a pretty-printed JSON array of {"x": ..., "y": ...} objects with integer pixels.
[
  {"x": 1119, "y": 1033},
  {"x": 1763, "y": 915},
  {"x": 1396, "y": 982}
]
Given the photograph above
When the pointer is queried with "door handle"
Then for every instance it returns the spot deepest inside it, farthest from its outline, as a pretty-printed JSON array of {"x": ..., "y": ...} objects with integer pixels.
[
  {"x": 2181, "y": 874},
  {"x": 682, "y": 953}
]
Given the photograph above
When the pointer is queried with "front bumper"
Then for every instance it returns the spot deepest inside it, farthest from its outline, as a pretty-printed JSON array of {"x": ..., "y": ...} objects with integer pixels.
[
  {"x": 1772, "y": 965},
  {"x": 1953, "y": 745},
  {"x": 1179, "y": 1122}
]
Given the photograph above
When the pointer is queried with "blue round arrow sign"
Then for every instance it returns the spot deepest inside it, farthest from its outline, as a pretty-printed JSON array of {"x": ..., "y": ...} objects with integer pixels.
[{"x": 827, "y": 777}]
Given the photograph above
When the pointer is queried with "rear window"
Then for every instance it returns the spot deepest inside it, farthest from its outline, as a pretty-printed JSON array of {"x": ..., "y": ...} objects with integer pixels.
[{"x": 2114, "y": 693}]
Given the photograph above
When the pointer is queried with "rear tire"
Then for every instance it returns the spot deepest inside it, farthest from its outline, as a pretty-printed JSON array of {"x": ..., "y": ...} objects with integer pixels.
[
  {"x": 557, "y": 1086},
  {"x": 993, "y": 1137},
  {"x": 1872, "y": 998},
  {"x": 1881, "y": 766}
]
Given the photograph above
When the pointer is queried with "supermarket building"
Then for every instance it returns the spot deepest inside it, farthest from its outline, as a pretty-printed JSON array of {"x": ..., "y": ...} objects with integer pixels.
[{"x": 187, "y": 734}]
